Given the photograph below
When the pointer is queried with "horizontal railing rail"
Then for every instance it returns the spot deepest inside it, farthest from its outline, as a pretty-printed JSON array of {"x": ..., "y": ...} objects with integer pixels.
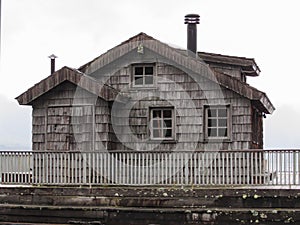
[{"x": 203, "y": 168}]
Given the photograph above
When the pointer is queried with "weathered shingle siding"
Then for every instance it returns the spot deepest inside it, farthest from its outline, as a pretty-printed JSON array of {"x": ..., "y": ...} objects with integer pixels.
[
  {"x": 70, "y": 118},
  {"x": 39, "y": 125},
  {"x": 103, "y": 137},
  {"x": 114, "y": 130},
  {"x": 175, "y": 87}
]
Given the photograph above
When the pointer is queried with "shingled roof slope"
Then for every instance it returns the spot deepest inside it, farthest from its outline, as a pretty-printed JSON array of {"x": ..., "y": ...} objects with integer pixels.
[{"x": 74, "y": 76}]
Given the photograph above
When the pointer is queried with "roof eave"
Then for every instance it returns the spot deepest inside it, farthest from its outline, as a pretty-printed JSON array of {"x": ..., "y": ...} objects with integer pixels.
[
  {"x": 259, "y": 98},
  {"x": 265, "y": 104}
]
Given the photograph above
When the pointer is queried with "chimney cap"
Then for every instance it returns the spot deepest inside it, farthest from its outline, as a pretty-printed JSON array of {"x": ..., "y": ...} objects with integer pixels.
[
  {"x": 191, "y": 19},
  {"x": 52, "y": 56}
]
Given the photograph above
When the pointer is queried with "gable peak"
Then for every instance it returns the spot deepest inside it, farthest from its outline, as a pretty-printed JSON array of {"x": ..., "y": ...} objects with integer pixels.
[{"x": 139, "y": 37}]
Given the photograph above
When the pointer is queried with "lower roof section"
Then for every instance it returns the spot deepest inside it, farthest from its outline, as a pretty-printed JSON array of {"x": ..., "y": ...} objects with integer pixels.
[{"x": 74, "y": 76}]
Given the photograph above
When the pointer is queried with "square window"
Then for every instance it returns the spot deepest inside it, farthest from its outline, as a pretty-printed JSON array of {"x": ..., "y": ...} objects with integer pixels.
[
  {"x": 143, "y": 75},
  {"x": 216, "y": 122}
]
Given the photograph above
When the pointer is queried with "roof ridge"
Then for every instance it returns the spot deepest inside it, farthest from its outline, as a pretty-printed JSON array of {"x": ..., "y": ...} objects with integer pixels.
[{"x": 222, "y": 55}]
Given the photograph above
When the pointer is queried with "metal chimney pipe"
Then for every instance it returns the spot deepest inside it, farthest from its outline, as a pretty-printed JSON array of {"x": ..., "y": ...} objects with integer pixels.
[
  {"x": 52, "y": 57},
  {"x": 192, "y": 20}
]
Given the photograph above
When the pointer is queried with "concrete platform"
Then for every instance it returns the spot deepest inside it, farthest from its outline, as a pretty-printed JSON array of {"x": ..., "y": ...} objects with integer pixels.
[{"x": 148, "y": 205}]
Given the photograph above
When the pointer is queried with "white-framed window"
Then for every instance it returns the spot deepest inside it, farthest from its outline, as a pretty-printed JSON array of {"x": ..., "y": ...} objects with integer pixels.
[
  {"x": 162, "y": 123},
  {"x": 143, "y": 75},
  {"x": 217, "y": 122}
]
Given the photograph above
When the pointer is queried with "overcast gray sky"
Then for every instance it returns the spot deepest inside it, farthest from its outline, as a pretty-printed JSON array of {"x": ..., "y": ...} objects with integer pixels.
[{"x": 79, "y": 30}]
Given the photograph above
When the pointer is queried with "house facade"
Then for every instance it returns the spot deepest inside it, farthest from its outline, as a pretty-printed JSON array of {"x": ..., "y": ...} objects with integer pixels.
[{"x": 145, "y": 95}]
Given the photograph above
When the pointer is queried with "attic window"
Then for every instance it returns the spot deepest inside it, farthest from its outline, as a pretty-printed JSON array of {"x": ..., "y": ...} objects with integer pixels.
[{"x": 143, "y": 75}]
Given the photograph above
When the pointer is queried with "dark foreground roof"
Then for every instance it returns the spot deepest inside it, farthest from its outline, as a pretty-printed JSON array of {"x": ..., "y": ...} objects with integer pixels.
[{"x": 74, "y": 76}]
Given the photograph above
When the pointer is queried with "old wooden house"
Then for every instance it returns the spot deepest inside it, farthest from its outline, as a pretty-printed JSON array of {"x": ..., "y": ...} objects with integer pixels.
[
  {"x": 146, "y": 95},
  {"x": 145, "y": 99},
  {"x": 146, "y": 113}
]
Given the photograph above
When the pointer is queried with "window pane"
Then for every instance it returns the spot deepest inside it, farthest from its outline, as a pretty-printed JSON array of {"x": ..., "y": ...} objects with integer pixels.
[
  {"x": 168, "y": 133},
  {"x": 138, "y": 81},
  {"x": 212, "y": 132},
  {"x": 156, "y": 133},
  {"x": 167, "y": 123},
  {"x": 156, "y": 113},
  {"x": 222, "y": 132},
  {"x": 222, "y": 113},
  {"x": 212, "y": 123},
  {"x": 167, "y": 113},
  {"x": 156, "y": 123},
  {"x": 148, "y": 70},
  {"x": 138, "y": 70},
  {"x": 148, "y": 79},
  {"x": 222, "y": 123},
  {"x": 212, "y": 112}
]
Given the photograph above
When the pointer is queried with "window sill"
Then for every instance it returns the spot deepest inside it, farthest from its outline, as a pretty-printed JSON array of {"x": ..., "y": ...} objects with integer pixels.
[
  {"x": 154, "y": 141},
  {"x": 139, "y": 88},
  {"x": 217, "y": 140}
]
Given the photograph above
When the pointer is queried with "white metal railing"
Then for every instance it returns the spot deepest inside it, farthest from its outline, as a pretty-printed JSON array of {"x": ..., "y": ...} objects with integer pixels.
[
  {"x": 245, "y": 167},
  {"x": 16, "y": 167}
]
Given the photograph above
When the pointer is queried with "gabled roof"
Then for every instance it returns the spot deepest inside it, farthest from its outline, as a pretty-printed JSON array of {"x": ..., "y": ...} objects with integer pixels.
[
  {"x": 197, "y": 65},
  {"x": 74, "y": 76},
  {"x": 81, "y": 76}
]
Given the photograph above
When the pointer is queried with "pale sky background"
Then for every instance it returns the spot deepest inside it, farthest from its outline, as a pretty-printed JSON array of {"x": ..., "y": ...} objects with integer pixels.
[{"x": 77, "y": 31}]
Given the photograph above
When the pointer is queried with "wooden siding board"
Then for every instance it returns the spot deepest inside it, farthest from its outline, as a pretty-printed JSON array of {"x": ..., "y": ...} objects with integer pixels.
[
  {"x": 38, "y": 129},
  {"x": 38, "y": 120},
  {"x": 38, "y": 138}
]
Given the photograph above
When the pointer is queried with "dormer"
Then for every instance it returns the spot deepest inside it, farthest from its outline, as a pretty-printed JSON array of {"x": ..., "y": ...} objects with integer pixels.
[{"x": 238, "y": 67}]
